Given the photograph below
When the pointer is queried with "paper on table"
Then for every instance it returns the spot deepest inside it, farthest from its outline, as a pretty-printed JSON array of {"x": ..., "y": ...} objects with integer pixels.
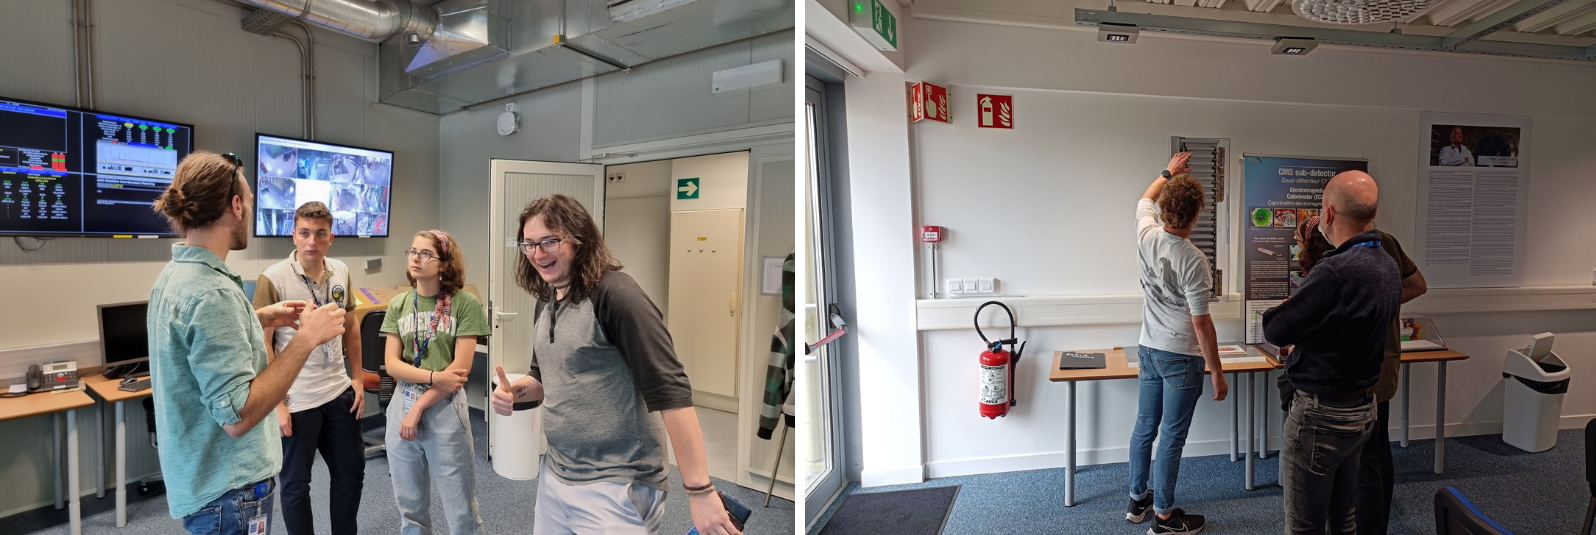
[
  {"x": 1421, "y": 345},
  {"x": 18, "y": 388}
]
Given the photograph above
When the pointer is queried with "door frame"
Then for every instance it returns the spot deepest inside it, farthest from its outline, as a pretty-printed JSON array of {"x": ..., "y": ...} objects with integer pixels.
[{"x": 821, "y": 493}]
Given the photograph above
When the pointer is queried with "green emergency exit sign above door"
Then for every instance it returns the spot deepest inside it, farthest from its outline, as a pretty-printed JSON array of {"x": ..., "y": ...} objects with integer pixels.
[
  {"x": 873, "y": 21},
  {"x": 687, "y": 188}
]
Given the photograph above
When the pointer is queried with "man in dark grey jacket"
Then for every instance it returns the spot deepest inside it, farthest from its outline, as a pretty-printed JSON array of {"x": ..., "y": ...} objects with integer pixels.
[{"x": 1337, "y": 321}]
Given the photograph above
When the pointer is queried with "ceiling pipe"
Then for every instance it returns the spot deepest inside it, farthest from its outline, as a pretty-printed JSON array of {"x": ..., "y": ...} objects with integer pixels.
[{"x": 375, "y": 20}]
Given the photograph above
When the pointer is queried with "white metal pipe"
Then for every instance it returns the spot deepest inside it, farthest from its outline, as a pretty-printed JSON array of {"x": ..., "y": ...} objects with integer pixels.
[
  {"x": 304, "y": 83},
  {"x": 370, "y": 20}
]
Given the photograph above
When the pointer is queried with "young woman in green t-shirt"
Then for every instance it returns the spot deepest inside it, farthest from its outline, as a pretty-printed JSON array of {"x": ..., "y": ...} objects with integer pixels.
[{"x": 433, "y": 330}]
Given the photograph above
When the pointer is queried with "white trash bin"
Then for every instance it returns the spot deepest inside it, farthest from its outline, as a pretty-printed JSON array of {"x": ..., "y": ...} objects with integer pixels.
[
  {"x": 1533, "y": 396},
  {"x": 517, "y": 439}
]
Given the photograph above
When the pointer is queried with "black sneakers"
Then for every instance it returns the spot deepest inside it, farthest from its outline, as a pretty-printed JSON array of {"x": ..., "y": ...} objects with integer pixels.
[
  {"x": 1139, "y": 509},
  {"x": 1178, "y": 523}
]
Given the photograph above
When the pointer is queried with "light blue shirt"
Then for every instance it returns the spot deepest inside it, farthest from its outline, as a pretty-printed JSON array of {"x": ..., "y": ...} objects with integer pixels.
[{"x": 206, "y": 346}]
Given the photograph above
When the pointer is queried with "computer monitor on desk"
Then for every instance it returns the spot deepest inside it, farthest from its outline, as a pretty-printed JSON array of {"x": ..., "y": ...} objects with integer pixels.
[{"x": 124, "y": 338}]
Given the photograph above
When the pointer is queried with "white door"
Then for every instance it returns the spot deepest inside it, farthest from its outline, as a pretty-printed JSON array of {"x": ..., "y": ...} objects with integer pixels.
[
  {"x": 706, "y": 267},
  {"x": 517, "y": 183}
]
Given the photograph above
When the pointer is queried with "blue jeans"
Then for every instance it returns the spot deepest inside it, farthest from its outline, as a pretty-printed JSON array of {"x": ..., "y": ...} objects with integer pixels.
[
  {"x": 231, "y": 513},
  {"x": 1170, "y": 386}
]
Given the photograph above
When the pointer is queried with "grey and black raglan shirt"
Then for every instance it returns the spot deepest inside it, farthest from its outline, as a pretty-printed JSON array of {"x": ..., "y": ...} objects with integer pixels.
[{"x": 606, "y": 362}]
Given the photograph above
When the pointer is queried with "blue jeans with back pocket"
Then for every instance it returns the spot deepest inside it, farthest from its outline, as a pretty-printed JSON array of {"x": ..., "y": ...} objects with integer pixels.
[
  {"x": 1170, "y": 386},
  {"x": 231, "y": 513}
]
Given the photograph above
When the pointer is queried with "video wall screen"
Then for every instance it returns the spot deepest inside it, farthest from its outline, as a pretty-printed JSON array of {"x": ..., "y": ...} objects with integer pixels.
[{"x": 354, "y": 183}]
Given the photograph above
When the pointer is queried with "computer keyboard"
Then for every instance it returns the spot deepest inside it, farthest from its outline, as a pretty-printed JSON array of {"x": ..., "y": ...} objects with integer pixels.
[{"x": 135, "y": 385}]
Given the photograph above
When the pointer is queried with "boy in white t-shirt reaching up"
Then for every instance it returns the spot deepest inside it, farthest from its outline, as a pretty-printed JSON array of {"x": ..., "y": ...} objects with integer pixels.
[{"x": 1177, "y": 340}]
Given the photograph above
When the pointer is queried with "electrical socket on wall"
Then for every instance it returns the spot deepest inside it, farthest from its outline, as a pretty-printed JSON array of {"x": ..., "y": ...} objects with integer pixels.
[{"x": 971, "y": 286}]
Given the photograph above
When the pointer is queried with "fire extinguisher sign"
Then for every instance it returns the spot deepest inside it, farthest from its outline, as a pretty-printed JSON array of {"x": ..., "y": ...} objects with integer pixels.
[{"x": 994, "y": 111}]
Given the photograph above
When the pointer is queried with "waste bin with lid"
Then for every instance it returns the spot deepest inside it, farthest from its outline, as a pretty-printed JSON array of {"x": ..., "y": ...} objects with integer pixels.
[
  {"x": 517, "y": 438},
  {"x": 1532, "y": 406}
]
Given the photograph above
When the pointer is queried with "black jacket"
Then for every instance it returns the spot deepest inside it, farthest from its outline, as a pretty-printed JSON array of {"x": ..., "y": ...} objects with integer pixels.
[{"x": 1338, "y": 319}]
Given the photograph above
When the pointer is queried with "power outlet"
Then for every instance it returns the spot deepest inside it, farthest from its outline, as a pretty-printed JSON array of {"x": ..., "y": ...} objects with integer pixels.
[{"x": 616, "y": 178}]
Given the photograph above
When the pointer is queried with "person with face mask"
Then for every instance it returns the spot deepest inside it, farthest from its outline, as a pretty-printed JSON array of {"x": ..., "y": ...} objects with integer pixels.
[
  {"x": 212, "y": 385},
  {"x": 1337, "y": 323}
]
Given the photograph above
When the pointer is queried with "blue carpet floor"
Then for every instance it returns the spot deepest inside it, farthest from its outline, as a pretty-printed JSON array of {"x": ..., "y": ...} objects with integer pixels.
[
  {"x": 1530, "y": 494},
  {"x": 506, "y": 505}
]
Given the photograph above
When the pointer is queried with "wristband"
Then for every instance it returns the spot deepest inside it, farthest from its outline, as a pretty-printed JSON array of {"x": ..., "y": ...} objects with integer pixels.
[
  {"x": 708, "y": 487},
  {"x": 430, "y": 377}
]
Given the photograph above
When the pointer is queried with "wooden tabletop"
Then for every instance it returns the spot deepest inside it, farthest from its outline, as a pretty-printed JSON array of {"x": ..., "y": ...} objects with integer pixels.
[
  {"x": 1118, "y": 368},
  {"x": 106, "y": 388},
  {"x": 1433, "y": 356},
  {"x": 42, "y": 403}
]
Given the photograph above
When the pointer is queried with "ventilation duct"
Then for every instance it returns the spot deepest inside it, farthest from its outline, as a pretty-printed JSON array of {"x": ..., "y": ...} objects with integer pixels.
[{"x": 441, "y": 56}]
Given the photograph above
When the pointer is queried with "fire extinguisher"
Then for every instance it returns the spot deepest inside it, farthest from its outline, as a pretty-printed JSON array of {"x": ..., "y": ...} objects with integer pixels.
[{"x": 997, "y": 367}]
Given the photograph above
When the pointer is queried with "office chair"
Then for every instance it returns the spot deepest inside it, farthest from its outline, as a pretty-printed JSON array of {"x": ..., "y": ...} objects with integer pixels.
[
  {"x": 373, "y": 355},
  {"x": 1590, "y": 474},
  {"x": 1456, "y": 515}
]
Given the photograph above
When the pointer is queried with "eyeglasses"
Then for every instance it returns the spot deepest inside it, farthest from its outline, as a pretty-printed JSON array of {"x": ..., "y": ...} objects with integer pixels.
[
  {"x": 424, "y": 255},
  {"x": 549, "y": 246},
  {"x": 237, "y": 164}
]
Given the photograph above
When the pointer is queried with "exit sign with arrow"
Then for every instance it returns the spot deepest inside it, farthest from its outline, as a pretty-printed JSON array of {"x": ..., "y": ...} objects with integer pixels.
[{"x": 687, "y": 188}]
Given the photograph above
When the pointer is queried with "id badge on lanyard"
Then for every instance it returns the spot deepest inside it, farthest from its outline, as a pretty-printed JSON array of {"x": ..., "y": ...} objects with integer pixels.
[
  {"x": 412, "y": 393},
  {"x": 258, "y": 524},
  {"x": 333, "y": 349}
]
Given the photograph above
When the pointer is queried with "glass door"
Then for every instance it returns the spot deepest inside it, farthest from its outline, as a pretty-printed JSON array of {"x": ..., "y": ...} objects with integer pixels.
[{"x": 819, "y": 452}]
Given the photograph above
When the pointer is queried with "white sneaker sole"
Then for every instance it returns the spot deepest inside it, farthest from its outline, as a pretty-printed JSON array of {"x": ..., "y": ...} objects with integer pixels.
[
  {"x": 1192, "y": 532},
  {"x": 1137, "y": 519}
]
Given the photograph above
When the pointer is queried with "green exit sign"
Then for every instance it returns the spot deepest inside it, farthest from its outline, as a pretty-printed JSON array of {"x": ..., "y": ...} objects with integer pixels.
[{"x": 873, "y": 21}]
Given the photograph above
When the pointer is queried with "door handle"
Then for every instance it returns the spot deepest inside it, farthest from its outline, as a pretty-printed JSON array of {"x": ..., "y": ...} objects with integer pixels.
[{"x": 497, "y": 314}]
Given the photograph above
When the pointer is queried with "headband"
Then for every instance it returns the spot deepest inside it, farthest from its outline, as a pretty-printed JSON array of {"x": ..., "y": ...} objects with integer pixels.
[{"x": 443, "y": 240}]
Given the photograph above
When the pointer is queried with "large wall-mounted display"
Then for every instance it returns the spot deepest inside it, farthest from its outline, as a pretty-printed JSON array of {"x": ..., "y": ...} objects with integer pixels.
[
  {"x": 353, "y": 182},
  {"x": 1281, "y": 191},
  {"x": 74, "y": 172}
]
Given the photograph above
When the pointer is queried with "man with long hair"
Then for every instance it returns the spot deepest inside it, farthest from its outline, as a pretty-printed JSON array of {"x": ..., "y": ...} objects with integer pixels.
[{"x": 602, "y": 363}]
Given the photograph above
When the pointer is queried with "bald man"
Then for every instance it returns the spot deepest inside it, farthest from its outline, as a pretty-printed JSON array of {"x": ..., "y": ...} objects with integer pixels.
[
  {"x": 1337, "y": 320},
  {"x": 1455, "y": 154}
]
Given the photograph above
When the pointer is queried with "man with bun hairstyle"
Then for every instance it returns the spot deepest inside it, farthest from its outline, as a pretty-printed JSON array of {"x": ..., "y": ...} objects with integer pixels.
[{"x": 214, "y": 391}]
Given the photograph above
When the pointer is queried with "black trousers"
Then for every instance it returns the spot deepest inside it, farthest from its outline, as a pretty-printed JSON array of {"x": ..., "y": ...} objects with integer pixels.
[
  {"x": 1375, "y": 476},
  {"x": 332, "y": 430}
]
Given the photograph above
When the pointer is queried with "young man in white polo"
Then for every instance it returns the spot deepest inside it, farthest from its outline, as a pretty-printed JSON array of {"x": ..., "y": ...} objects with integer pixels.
[{"x": 323, "y": 407}]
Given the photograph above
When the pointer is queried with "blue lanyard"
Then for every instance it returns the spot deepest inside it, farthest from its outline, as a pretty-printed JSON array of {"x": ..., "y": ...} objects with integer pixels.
[
  {"x": 305, "y": 279},
  {"x": 1370, "y": 243}
]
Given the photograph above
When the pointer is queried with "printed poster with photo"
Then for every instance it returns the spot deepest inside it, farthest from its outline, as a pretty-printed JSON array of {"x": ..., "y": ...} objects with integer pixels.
[
  {"x": 1280, "y": 192},
  {"x": 1473, "y": 199}
]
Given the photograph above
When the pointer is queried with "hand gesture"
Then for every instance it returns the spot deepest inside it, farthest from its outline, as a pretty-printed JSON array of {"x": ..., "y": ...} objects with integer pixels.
[
  {"x": 285, "y": 421},
  {"x": 282, "y": 314},
  {"x": 321, "y": 324},
  {"x": 504, "y": 395},
  {"x": 1221, "y": 388},
  {"x": 407, "y": 429}
]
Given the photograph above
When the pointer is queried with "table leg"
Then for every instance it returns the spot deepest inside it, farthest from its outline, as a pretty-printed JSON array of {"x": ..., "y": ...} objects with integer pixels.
[
  {"x": 1252, "y": 428},
  {"x": 1263, "y": 416},
  {"x": 1235, "y": 420},
  {"x": 55, "y": 453},
  {"x": 1069, "y": 459},
  {"x": 121, "y": 465},
  {"x": 1405, "y": 405},
  {"x": 75, "y": 515},
  {"x": 99, "y": 450},
  {"x": 1440, "y": 417}
]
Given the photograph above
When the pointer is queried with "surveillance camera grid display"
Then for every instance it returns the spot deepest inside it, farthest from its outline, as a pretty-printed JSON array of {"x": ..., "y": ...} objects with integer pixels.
[{"x": 353, "y": 183}]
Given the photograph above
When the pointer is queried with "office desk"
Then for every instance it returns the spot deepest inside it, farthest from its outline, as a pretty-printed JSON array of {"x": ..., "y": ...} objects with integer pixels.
[
  {"x": 1440, "y": 358},
  {"x": 106, "y": 389},
  {"x": 54, "y": 404},
  {"x": 1118, "y": 368}
]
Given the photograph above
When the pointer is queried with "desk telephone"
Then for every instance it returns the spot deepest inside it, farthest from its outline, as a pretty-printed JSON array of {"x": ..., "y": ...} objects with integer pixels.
[{"x": 53, "y": 376}]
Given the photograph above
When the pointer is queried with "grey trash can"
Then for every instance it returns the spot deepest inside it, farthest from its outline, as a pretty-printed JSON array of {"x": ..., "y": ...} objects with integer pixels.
[{"x": 1536, "y": 381}]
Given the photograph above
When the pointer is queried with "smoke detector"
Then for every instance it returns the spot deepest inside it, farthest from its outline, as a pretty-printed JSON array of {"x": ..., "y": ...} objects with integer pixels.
[{"x": 1360, "y": 11}]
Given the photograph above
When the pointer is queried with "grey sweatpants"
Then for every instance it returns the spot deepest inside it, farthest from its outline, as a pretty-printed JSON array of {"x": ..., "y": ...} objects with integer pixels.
[
  {"x": 441, "y": 454},
  {"x": 608, "y": 507}
]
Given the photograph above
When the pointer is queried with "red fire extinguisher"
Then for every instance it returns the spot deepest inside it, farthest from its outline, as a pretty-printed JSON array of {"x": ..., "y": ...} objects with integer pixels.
[{"x": 997, "y": 367}]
